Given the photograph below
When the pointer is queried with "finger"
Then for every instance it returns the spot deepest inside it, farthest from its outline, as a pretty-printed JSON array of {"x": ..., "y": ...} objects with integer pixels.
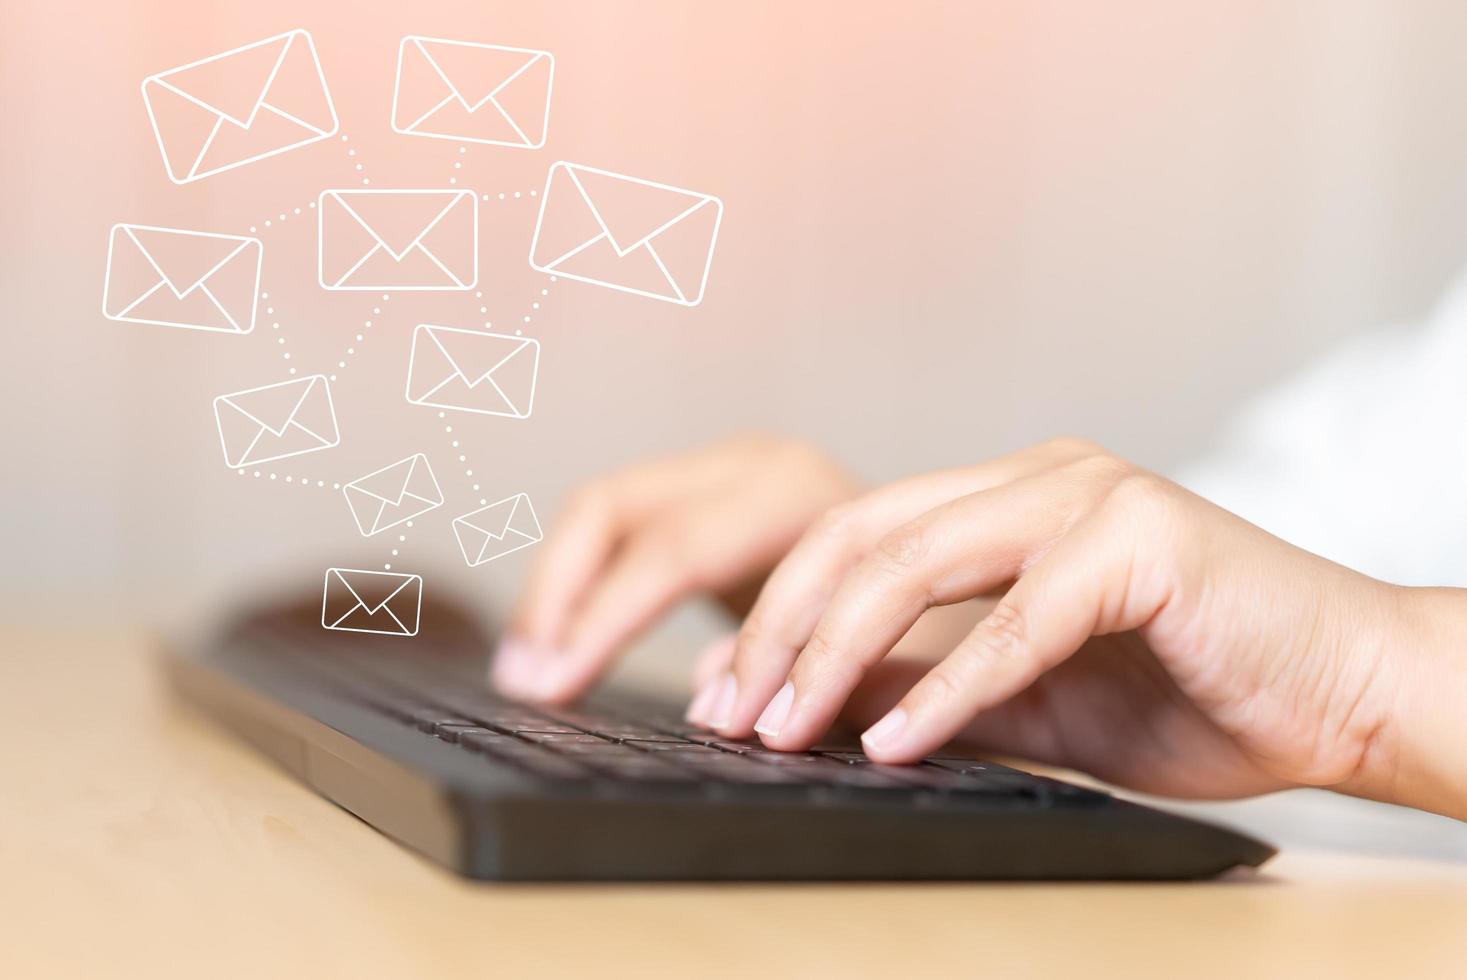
[
  {"x": 1103, "y": 577},
  {"x": 960, "y": 550},
  {"x": 691, "y": 550},
  {"x": 787, "y": 610},
  {"x": 711, "y": 666},
  {"x": 588, "y": 531}
]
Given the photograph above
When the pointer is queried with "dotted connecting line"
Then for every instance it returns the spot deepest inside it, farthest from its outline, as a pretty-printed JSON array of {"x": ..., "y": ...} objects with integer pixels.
[
  {"x": 351, "y": 154},
  {"x": 282, "y": 217},
  {"x": 401, "y": 538},
  {"x": 462, "y": 457},
  {"x": 535, "y": 306},
  {"x": 304, "y": 481},
  {"x": 366, "y": 326},
  {"x": 503, "y": 195}
]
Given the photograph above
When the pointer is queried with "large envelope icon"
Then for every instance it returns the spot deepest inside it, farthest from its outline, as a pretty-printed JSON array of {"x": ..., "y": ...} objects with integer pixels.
[
  {"x": 492, "y": 532},
  {"x": 191, "y": 279},
  {"x": 393, "y": 495},
  {"x": 398, "y": 239},
  {"x": 625, "y": 233},
  {"x": 473, "y": 371},
  {"x": 473, "y": 93},
  {"x": 359, "y": 601},
  {"x": 275, "y": 421},
  {"x": 243, "y": 105}
]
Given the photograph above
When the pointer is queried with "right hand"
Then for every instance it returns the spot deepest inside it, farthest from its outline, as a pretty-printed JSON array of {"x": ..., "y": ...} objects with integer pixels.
[{"x": 631, "y": 544}]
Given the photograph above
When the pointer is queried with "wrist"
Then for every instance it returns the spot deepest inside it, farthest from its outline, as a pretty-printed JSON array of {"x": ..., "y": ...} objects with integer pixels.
[{"x": 1419, "y": 755}]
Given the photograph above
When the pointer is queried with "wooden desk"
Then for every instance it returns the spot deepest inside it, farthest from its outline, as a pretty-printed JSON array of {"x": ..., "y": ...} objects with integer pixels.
[{"x": 136, "y": 840}]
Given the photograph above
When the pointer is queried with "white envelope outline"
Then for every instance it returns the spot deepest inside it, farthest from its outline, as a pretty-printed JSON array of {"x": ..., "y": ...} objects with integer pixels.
[
  {"x": 341, "y": 577},
  {"x": 414, "y": 45},
  {"x": 498, "y": 529},
  {"x": 379, "y": 504},
  {"x": 312, "y": 385},
  {"x": 453, "y": 198},
  {"x": 124, "y": 234},
  {"x": 553, "y": 265},
  {"x": 294, "y": 40},
  {"x": 433, "y": 367}
]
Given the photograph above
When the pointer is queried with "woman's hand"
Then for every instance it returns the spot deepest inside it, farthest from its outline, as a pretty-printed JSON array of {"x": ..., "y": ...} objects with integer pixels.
[
  {"x": 1145, "y": 636},
  {"x": 633, "y": 543}
]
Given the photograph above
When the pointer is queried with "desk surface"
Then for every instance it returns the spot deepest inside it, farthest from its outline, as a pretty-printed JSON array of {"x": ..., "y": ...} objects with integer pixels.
[{"x": 135, "y": 839}]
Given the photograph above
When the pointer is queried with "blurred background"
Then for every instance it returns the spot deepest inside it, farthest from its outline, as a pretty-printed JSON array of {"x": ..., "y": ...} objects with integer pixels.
[{"x": 950, "y": 230}]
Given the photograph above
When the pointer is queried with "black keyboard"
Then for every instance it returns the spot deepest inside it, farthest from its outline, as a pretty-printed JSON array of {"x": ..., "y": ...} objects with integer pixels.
[
  {"x": 593, "y": 742},
  {"x": 406, "y": 734}
]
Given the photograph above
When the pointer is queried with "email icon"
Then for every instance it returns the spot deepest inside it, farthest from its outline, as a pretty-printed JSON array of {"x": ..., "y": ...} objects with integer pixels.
[
  {"x": 399, "y": 239},
  {"x": 627, "y": 234},
  {"x": 495, "y": 531},
  {"x": 393, "y": 495},
  {"x": 276, "y": 421},
  {"x": 196, "y": 280},
  {"x": 358, "y": 601},
  {"x": 472, "y": 93},
  {"x": 473, "y": 371},
  {"x": 244, "y": 105}
]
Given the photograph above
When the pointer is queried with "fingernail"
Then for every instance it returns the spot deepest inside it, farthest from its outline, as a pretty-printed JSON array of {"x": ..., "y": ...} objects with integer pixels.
[
  {"x": 887, "y": 730},
  {"x": 701, "y": 704},
  {"x": 722, "y": 710},
  {"x": 778, "y": 709}
]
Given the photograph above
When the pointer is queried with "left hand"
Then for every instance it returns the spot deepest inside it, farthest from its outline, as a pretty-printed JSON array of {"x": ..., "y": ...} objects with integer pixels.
[{"x": 1146, "y": 635}]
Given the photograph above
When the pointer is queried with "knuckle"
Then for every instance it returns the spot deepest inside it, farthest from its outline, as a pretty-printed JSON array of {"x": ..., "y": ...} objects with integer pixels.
[
  {"x": 1142, "y": 494},
  {"x": 836, "y": 525},
  {"x": 1003, "y": 634},
  {"x": 902, "y": 550},
  {"x": 1104, "y": 468},
  {"x": 945, "y": 684},
  {"x": 1073, "y": 446}
]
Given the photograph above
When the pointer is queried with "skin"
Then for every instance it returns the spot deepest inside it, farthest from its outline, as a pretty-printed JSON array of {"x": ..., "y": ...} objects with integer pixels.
[{"x": 1058, "y": 604}]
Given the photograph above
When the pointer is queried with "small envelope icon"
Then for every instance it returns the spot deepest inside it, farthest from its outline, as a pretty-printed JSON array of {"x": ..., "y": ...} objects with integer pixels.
[
  {"x": 243, "y": 105},
  {"x": 494, "y": 531},
  {"x": 359, "y": 601},
  {"x": 191, "y": 279},
  {"x": 392, "y": 495},
  {"x": 473, "y": 93},
  {"x": 275, "y": 421},
  {"x": 473, "y": 371},
  {"x": 628, "y": 234},
  {"x": 398, "y": 239}
]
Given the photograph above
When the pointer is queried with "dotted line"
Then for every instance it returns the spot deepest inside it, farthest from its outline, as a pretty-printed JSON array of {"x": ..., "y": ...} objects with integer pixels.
[
  {"x": 351, "y": 154},
  {"x": 503, "y": 195},
  {"x": 462, "y": 457},
  {"x": 401, "y": 537},
  {"x": 535, "y": 306},
  {"x": 366, "y": 326},
  {"x": 281, "y": 218},
  {"x": 304, "y": 481}
]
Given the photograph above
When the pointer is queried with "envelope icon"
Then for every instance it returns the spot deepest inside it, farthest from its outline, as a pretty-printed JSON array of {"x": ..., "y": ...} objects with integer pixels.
[
  {"x": 191, "y": 279},
  {"x": 473, "y": 371},
  {"x": 628, "y": 234},
  {"x": 244, "y": 105},
  {"x": 495, "y": 531},
  {"x": 473, "y": 93},
  {"x": 398, "y": 239},
  {"x": 275, "y": 421},
  {"x": 393, "y": 495},
  {"x": 359, "y": 601}
]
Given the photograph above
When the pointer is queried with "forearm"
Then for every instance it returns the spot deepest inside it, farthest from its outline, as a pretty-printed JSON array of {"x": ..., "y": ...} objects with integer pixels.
[{"x": 1420, "y": 756}]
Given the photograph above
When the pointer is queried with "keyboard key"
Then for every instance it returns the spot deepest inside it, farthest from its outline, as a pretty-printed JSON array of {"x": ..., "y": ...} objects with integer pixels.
[
  {"x": 455, "y": 732},
  {"x": 562, "y": 738},
  {"x": 690, "y": 747}
]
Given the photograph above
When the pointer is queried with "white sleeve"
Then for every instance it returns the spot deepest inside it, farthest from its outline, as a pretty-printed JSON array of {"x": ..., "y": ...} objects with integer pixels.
[{"x": 1362, "y": 459}]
